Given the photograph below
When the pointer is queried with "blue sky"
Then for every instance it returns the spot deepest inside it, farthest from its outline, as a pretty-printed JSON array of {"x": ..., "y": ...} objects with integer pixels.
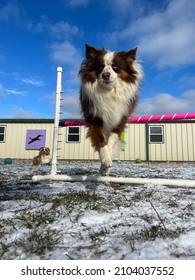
[{"x": 37, "y": 36}]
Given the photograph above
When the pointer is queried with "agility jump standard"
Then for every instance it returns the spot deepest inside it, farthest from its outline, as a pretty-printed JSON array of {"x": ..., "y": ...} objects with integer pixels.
[{"x": 53, "y": 176}]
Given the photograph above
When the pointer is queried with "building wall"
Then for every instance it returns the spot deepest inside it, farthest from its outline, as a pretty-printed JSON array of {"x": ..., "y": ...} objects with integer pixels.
[
  {"x": 178, "y": 145},
  {"x": 15, "y": 141},
  {"x": 76, "y": 151},
  {"x": 135, "y": 138},
  {"x": 134, "y": 147}
]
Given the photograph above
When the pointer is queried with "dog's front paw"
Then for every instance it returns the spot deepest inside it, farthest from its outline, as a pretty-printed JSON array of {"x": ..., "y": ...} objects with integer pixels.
[
  {"x": 106, "y": 161},
  {"x": 104, "y": 170}
]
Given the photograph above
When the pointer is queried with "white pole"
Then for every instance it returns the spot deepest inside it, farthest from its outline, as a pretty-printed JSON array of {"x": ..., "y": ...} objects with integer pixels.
[
  {"x": 56, "y": 121},
  {"x": 121, "y": 180}
]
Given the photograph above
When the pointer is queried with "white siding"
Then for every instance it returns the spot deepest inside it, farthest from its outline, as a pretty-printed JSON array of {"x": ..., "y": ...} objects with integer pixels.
[
  {"x": 178, "y": 143},
  {"x": 15, "y": 141},
  {"x": 135, "y": 138}
]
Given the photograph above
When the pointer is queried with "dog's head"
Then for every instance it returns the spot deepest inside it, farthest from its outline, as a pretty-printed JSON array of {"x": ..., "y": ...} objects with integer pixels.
[
  {"x": 44, "y": 151},
  {"x": 107, "y": 67}
]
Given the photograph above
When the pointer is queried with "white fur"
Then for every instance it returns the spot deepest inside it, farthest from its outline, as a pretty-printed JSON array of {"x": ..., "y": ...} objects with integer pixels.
[
  {"x": 112, "y": 142},
  {"x": 45, "y": 159},
  {"x": 108, "y": 58},
  {"x": 111, "y": 101},
  {"x": 106, "y": 161},
  {"x": 107, "y": 153}
]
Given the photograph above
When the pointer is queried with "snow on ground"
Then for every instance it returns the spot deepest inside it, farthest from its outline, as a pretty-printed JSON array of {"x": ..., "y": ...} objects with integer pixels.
[{"x": 87, "y": 220}]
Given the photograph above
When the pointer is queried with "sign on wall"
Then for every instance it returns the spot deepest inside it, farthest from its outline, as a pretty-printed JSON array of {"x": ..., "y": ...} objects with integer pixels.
[{"x": 35, "y": 139}]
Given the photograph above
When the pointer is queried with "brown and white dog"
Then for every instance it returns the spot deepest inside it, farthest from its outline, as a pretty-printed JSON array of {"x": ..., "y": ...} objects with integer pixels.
[
  {"x": 110, "y": 82},
  {"x": 43, "y": 157}
]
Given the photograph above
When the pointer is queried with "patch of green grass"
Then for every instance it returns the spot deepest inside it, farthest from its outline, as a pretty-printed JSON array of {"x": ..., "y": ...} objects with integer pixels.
[
  {"x": 141, "y": 196},
  {"x": 80, "y": 197},
  {"x": 31, "y": 219},
  {"x": 99, "y": 235},
  {"x": 39, "y": 241},
  {"x": 188, "y": 210},
  {"x": 153, "y": 232},
  {"x": 173, "y": 203},
  {"x": 7, "y": 227},
  {"x": 4, "y": 248},
  {"x": 73, "y": 198},
  {"x": 177, "y": 252}
]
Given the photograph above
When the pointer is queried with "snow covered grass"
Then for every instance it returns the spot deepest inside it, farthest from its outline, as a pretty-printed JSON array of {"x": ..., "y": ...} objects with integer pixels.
[{"x": 88, "y": 220}]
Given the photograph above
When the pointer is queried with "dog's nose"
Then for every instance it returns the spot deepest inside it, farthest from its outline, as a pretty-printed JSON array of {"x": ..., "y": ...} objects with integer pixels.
[{"x": 106, "y": 75}]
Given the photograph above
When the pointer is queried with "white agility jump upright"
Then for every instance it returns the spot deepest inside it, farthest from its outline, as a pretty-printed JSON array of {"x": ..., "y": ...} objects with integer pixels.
[
  {"x": 56, "y": 121},
  {"x": 53, "y": 176}
]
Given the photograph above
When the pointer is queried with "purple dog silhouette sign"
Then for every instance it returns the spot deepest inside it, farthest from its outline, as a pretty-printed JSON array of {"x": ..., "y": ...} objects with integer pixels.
[{"x": 35, "y": 139}]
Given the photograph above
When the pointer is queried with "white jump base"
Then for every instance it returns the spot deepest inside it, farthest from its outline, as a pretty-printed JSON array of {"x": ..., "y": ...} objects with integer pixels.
[{"x": 121, "y": 180}]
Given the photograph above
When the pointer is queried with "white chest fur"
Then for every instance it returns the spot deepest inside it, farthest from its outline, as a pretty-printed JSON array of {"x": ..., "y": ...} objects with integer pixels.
[{"x": 110, "y": 104}]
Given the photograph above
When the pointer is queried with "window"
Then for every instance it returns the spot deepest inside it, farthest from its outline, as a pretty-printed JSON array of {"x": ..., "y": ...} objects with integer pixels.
[
  {"x": 73, "y": 134},
  {"x": 156, "y": 134},
  {"x": 2, "y": 133}
]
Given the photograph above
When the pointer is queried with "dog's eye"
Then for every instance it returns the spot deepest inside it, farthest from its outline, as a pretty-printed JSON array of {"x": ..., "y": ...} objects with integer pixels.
[
  {"x": 101, "y": 67},
  {"x": 115, "y": 67}
]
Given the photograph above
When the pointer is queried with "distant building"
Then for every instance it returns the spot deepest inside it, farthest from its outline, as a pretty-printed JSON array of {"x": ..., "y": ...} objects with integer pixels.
[{"x": 162, "y": 141}]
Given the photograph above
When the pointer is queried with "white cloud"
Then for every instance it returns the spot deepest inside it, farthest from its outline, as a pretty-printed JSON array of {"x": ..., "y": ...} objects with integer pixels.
[
  {"x": 66, "y": 53},
  {"x": 15, "y": 92},
  {"x": 71, "y": 106},
  {"x": 187, "y": 80},
  {"x": 76, "y": 3},
  {"x": 165, "y": 103},
  {"x": 125, "y": 8},
  {"x": 63, "y": 30},
  {"x": 32, "y": 81},
  {"x": 10, "y": 11},
  {"x": 166, "y": 36},
  {"x": 38, "y": 27},
  {"x": 2, "y": 92},
  {"x": 59, "y": 30},
  {"x": 20, "y": 113}
]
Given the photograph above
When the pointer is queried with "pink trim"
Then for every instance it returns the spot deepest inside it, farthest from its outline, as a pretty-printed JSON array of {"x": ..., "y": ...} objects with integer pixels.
[
  {"x": 142, "y": 119},
  {"x": 159, "y": 118}
]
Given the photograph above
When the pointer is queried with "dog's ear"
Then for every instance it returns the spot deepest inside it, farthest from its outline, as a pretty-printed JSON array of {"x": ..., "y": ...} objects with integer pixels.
[
  {"x": 41, "y": 150},
  {"x": 91, "y": 52},
  {"x": 130, "y": 55}
]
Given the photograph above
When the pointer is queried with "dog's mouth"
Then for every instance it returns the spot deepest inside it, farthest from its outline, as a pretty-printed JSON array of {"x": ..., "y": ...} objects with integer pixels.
[
  {"x": 108, "y": 79},
  {"x": 109, "y": 82},
  {"x": 45, "y": 153}
]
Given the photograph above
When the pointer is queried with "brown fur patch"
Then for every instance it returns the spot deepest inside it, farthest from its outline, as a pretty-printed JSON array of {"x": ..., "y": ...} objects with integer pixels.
[
  {"x": 123, "y": 66},
  {"x": 96, "y": 134},
  {"x": 92, "y": 66}
]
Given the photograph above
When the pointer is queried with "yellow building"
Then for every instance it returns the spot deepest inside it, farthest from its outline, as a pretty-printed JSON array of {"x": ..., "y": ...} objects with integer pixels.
[{"x": 163, "y": 141}]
